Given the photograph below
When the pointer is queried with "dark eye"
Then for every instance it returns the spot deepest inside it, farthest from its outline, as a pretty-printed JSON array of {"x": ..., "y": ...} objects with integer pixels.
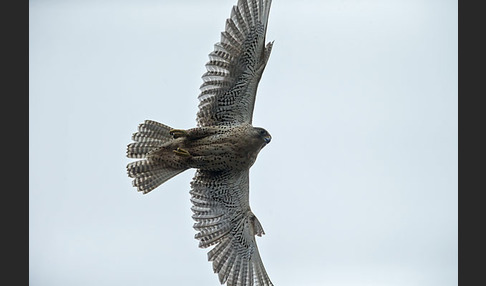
[{"x": 263, "y": 132}]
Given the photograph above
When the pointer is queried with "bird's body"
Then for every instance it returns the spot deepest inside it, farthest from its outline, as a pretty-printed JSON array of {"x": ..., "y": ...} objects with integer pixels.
[{"x": 222, "y": 148}]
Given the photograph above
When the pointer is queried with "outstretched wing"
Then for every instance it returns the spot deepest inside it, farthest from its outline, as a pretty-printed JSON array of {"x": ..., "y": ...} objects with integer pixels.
[
  {"x": 224, "y": 219},
  {"x": 235, "y": 66}
]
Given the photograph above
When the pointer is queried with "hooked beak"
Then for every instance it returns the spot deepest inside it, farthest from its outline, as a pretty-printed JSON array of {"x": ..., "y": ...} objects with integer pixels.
[{"x": 267, "y": 139}]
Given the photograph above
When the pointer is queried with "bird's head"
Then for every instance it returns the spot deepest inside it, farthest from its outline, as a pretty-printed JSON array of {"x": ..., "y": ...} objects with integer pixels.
[{"x": 263, "y": 135}]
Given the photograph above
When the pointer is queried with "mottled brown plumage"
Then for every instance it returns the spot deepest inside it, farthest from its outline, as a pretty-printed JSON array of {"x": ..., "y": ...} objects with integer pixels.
[{"x": 222, "y": 148}]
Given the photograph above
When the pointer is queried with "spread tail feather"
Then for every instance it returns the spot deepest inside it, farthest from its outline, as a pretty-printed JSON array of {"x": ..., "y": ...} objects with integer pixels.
[
  {"x": 148, "y": 175},
  {"x": 152, "y": 171},
  {"x": 150, "y": 136}
]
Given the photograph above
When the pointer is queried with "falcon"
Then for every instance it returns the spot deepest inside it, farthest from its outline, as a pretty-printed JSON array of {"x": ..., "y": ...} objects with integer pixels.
[{"x": 222, "y": 148}]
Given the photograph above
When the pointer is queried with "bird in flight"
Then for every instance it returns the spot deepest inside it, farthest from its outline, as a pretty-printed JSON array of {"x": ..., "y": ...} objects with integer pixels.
[{"x": 222, "y": 148}]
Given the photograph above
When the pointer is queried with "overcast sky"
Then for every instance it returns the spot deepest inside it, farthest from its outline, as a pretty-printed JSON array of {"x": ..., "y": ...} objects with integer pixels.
[{"x": 358, "y": 186}]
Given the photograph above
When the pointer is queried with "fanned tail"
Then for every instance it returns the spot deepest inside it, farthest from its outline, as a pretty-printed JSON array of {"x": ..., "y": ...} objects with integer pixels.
[
  {"x": 152, "y": 171},
  {"x": 150, "y": 136}
]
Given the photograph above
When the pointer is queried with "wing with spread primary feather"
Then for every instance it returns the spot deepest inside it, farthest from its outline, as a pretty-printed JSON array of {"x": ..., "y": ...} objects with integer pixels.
[
  {"x": 224, "y": 220},
  {"x": 235, "y": 66}
]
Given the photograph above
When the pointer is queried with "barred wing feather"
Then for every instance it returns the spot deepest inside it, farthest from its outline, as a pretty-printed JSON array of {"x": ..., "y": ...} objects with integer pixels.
[
  {"x": 224, "y": 220},
  {"x": 235, "y": 66}
]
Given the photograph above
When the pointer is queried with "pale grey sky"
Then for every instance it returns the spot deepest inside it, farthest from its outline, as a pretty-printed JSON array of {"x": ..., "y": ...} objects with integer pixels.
[{"x": 358, "y": 186}]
